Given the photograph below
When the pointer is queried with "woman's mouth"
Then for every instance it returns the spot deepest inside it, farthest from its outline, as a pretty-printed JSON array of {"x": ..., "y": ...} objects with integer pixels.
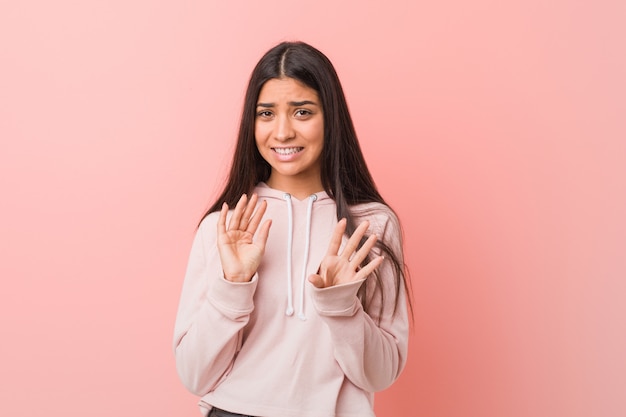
[{"x": 287, "y": 151}]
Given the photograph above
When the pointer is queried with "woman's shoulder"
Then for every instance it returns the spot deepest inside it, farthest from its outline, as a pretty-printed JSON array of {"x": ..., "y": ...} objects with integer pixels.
[
  {"x": 372, "y": 210},
  {"x": 209, "y": 221},
  {"x": 380, "y": 216}
]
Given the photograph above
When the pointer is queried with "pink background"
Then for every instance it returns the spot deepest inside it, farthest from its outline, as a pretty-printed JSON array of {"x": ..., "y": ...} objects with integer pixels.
[{"x": 495, "y": 128}]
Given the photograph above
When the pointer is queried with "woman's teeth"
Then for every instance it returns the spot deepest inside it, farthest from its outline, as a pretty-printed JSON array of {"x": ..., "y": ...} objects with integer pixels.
[{"x": 287, "y": 151}]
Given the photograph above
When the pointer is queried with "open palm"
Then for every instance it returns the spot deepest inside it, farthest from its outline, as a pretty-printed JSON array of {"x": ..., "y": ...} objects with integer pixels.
[
  {"x": 240, "y": 252},
  {"x": 341, "y": 268}
]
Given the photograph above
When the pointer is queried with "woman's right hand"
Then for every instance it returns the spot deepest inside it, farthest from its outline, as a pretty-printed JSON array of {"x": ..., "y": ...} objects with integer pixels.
[{"x": 240, "y": 252}]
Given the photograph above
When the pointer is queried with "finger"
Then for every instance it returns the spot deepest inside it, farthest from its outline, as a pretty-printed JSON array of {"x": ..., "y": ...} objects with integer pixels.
[
  {"x": 335, "y": 240},
  {"x": 221, "y": 222},
  {"x": 247, "y": 214},
  {"x": 317, "y": 281},
  {"x": 264, "y": 232},
  {"x": 354, "y": 240},
  {"x": 256, "y": 217},
  {"x": 233, "y": 224},
  {"x": 363, "y": 251},
  {"x": 369, "y": 268}
]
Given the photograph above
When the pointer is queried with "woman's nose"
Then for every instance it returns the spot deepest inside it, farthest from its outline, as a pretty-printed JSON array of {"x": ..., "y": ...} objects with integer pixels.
[{"x": 283, "y": 129}]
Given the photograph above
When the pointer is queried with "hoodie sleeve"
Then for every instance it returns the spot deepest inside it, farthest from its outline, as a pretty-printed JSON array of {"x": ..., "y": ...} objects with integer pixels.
[
  {"x": 211, "y": 315},
  {"x": 370, "y": 348}
]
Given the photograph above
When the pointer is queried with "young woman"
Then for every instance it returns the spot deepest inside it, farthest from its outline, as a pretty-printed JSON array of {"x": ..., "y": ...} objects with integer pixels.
[{"x": 294, "y": 301}]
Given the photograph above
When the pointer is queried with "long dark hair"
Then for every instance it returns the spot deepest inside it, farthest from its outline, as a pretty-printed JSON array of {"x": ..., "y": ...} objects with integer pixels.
[{"x": 345, "y": 176}]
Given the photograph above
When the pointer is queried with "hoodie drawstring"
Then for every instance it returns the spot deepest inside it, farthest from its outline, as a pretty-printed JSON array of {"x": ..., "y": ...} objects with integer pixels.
[
  {"x": 287, "y": 198},
  {"x": 309, "y": 215}
]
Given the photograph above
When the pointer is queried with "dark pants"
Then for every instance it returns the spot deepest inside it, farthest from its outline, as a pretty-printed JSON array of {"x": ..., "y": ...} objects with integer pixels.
[{"x": 216, "y": 412}]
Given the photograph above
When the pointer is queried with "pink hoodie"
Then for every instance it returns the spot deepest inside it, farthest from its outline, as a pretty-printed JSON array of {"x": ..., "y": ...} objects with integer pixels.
[{"x": 277, "y": 346}]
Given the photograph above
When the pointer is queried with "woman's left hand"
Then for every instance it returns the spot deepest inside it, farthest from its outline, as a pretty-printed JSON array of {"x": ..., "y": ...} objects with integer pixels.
[{"x": 342, "y": 268}]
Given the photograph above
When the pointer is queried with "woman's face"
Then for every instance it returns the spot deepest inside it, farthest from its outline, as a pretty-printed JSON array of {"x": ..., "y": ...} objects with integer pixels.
[{"x": 289, "y": 133}]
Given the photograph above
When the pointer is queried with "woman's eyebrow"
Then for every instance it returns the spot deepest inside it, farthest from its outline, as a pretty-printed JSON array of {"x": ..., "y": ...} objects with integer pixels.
[
  {"x": 291, "y": 103},
  {"x": 302, "y": 103}
]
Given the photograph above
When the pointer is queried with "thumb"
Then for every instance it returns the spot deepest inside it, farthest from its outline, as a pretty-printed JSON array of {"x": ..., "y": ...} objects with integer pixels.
[{"x": 317, "y": 280}]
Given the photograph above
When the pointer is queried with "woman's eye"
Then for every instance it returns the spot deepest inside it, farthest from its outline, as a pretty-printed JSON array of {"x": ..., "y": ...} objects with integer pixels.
[
  {"x": 264, "y": 113},
  {"x": 303, "y": 113}
]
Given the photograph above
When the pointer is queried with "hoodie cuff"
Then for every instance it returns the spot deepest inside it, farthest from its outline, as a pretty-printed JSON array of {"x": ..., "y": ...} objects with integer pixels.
[
  {"x": 340, "y": 300},
  {"x": 233, "y": 299}
]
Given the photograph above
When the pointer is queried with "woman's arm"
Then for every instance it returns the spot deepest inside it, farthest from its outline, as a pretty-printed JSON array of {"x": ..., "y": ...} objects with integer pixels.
[
  {"x": 211, "y": 314},
  {"x": 217, "y": 296},
  {"x": 371, "y": 349}
]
